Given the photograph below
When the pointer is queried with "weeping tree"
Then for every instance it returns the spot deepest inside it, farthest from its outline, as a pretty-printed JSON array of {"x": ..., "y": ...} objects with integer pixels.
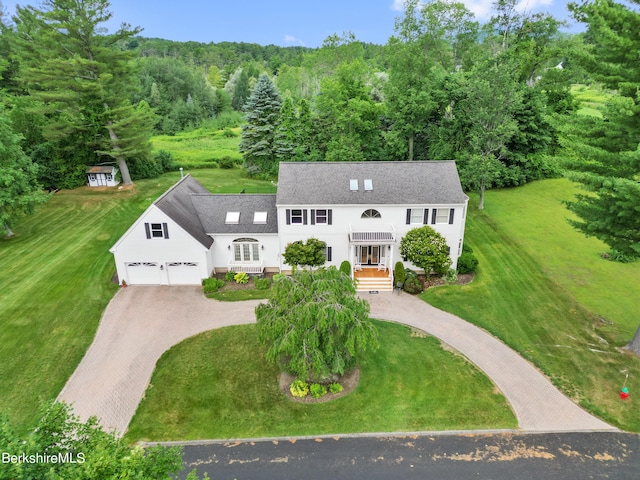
[{"x": 314, "y": 324}]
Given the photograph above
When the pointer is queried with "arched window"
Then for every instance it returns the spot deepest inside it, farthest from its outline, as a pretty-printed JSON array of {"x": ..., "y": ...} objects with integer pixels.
[
  {"x": 371, "y": 213},
  {"x": 246, "y": 250}
]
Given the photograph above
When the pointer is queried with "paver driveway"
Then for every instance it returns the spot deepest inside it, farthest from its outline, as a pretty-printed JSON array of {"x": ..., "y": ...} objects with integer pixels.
[{"x": 141, "y": 323}]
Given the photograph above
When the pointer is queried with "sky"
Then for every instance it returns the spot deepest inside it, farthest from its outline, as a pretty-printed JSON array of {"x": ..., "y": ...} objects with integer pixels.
[{"x": 279, "y": 22}]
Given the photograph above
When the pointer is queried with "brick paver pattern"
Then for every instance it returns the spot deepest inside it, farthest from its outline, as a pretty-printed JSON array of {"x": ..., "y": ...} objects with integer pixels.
[{"x": 141, "y": 323}]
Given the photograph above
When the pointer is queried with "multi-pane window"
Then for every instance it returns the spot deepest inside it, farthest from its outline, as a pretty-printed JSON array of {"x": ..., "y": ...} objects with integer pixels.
[
  {"x": 321, "y": 217},
  {"x": 417, "y": 216},
  {"x": 156, "y": 230},
  {"x": 371, "y": 213},
  {"x": 296, "y": 216},
  {"x": 442, "y": 216},
  {"x": 246, "y": 250}
]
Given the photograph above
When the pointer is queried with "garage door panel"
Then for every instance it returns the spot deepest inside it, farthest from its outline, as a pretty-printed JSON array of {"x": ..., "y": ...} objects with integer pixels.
[
  {"x": 183, "y": 273},
  {"x": 143, "y": 273}
]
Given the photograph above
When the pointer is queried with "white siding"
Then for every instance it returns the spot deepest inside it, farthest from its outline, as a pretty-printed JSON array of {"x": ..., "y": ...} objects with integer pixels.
[
  {"x": 134, "y": 247},
  {"x": 348, "y": 218}
]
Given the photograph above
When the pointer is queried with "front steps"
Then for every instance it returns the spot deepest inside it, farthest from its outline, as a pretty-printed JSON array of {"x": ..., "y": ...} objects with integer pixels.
[{"x": 379, "y": 284}]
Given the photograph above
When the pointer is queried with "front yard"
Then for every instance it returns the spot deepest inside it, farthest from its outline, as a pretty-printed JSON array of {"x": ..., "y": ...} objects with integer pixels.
[{"x": 218, "y": 385}]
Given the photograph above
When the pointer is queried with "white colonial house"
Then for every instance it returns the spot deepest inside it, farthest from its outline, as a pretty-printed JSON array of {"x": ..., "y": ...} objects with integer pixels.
[
  {"x": 102, "y": 176},
  {"x": 360, "y": 209}
]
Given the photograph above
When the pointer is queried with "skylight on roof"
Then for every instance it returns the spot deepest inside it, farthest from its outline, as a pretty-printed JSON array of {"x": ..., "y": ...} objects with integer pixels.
[
  {"x": 260, "y": 217},
  {"x": 353, "y": 185},
  {"x": 232, "y": 218},
  {"x": 368, "y": 185}
]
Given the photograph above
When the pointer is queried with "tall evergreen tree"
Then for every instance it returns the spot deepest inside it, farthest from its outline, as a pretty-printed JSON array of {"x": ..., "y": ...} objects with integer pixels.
[
  {"x": 606, "y": 151},
  {"x": 84, "y": 81},
  {"x": 258, "y": 134}
]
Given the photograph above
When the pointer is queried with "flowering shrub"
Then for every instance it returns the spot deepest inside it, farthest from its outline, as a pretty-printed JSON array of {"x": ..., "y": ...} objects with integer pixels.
[
  {"x": 299, "y": 388},
  {"x": 241, "y": 277}
]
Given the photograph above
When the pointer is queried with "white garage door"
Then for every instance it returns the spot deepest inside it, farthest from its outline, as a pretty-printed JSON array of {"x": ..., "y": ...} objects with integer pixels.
[
  {"x": 183, "y": 273},
  {"x": 143, "y": 273}
]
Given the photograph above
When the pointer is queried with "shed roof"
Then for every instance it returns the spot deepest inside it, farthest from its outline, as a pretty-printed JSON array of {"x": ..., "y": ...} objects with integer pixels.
[
  {"x": 212, "y": 210},
  {"x": 393, "y": 183},
  {"x": 101, "y": 169}
]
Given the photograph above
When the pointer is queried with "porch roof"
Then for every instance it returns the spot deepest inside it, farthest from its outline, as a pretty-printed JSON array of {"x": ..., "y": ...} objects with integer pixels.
[{"x": 369, "y": 237}]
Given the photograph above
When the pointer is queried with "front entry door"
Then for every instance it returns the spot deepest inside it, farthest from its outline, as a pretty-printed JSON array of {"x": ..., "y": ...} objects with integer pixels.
[{"x": 370, "y": 254}]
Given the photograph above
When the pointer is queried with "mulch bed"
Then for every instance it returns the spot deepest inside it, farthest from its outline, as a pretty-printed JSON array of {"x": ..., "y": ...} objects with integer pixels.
[
  {"x": 435, "y": 281},
  {"x": 231, "y": 285},
  {"x": 349, "y": 383}
]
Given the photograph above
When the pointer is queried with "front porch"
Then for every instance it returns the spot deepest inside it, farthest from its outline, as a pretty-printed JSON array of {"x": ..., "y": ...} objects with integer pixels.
[{"x": 373, "y": 279}]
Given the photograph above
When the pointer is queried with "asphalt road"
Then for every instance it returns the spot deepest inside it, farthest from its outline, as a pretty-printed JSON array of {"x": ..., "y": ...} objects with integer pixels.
[{"x": 503, "y": 456}]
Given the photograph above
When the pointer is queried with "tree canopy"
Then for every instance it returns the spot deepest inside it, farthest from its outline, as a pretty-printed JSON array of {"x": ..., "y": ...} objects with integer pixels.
[
  {"x": 19, "y": 188},
  {"x": 314, "y": 325},
  {"x": 426, "y": 249},
  {"x": 82, "y": 451}
]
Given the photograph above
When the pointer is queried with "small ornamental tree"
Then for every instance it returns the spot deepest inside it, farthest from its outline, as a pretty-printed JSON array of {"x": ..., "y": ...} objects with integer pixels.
[
  {"x": 310, "y": 254},
  {"x": 314, "y": 324},
  {"x": 426, "y": 249}
]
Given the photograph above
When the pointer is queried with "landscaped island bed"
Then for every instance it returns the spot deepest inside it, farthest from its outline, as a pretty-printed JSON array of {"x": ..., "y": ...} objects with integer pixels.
[{"x": 218, "y": 385}]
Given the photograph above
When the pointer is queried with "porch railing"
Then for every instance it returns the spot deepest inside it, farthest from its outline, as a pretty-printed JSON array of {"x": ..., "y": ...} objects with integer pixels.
[{"x": 245, "y": 267}]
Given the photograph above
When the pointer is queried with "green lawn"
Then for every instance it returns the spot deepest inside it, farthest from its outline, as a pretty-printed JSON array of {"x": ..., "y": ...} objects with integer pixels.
[
  {"x": 542, "y": 288},
  {"x": 218, "y": 385},
  {"x": 55, "y": 279},
  {"x": 199, "y": 148},
  {"x": 239, "y": 295},
  {"x": 592, "y": 99}
]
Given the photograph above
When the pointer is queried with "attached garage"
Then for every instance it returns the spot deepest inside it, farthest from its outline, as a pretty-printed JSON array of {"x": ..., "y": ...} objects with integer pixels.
[
  {"x": 143, "y": 273},
  {"x": 183, "y": 273}
]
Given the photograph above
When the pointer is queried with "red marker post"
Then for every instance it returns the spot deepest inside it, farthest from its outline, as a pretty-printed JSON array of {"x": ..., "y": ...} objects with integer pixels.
[{"x": 624, "y": 392}]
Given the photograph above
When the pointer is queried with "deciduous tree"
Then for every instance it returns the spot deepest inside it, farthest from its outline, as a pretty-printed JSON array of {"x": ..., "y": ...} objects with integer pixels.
[
  {"x": 309, "y": 254},
  {"x": 19, "y": 189},
  {"x": 82, "y": 451},
  {"x": 314, "y": 324},
  {"x": 426, "y": 249}
]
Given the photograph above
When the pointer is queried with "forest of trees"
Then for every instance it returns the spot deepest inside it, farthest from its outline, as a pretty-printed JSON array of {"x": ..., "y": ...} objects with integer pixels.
[{"x": 495, "y": 97}]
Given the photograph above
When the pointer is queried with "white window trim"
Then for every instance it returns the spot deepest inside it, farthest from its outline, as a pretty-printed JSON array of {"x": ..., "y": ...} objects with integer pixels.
[
  {"x": 420, "y": 218},
  {"x": 442, "y": 216},
  {"x": 232, "y": 218}
]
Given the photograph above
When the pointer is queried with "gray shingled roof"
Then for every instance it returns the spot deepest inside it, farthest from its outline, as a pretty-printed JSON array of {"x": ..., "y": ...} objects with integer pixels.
[
  {"x": 212, "y": 211},
  {"x": 411, "y": 183},
  {"x": 176, "y": 203}
]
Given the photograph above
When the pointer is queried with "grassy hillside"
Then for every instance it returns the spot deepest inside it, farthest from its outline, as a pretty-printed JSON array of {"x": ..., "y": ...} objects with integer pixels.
[
  {"x": 55, "y": 279},
  {"x": 544, "y": 290},
  {"x": 200, "y": 148}
]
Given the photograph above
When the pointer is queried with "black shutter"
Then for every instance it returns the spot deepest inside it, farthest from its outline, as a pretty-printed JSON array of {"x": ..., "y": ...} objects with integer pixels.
[
  {"x": 313, "y": 217},
  {"x": 328, "y": 254},
  {"x": 288, "y": 217},
  {"x": 451, "y": 213},
  {"x": 329, "y": 216},
  {"x": 304, "y": 217},
  {"x": 165, "y": 229},
  {"x": 434, "y": 213},
  {"x": 408, "y": 216},
  {"x": 425, "y": 219},
  {"x": 147, "y": 229}
]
